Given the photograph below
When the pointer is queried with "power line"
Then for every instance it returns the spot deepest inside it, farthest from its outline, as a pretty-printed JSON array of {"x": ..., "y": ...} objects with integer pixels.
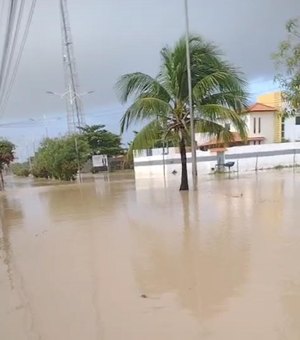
[
  {"x": 9, "y": 78},
  {"x": 12, "y": 48},
  {"x": 6, "y": 42}
]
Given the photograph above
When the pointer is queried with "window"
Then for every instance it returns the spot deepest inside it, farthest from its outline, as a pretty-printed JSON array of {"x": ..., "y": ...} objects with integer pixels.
[
  {"x": 282, "y": 128},
  {"x": 297, "y": 120},
  {"x": 254, "y": 125},
  {"x": 227, "y": 126},
  {"x": 259, "y": 124},
  {"x": 149, "y": 152}
]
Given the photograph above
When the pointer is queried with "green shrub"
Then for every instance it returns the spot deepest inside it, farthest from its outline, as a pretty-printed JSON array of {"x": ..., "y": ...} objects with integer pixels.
[
  {"x": 59, "y": 158},
  {"x": 20, "y": 169}
]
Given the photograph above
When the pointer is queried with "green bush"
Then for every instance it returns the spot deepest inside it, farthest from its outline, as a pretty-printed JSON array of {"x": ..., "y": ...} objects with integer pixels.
[
  {"x": 20, "y": 169},
  {"x": 59, "y": 158}
]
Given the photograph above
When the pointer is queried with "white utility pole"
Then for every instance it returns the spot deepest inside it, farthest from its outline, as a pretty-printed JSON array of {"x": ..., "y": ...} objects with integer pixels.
[
  {"x": 188, "y": 61},
  {"x": 45, "y": 125}
]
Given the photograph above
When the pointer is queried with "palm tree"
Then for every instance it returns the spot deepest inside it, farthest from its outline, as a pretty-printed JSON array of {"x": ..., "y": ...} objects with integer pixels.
[{"x": 219, "y": 96}]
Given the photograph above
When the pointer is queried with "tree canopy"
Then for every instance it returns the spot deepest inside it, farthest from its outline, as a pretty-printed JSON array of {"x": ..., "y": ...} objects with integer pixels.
[
  {"x": 101, "y": 141},
  {"x": 6, "y": 156},
  {"x": 287, "y": 61},
  {"x": 6, "y": 152},
  {"x": 20, "y": 169},
  {"x": 60, "y": 158}
]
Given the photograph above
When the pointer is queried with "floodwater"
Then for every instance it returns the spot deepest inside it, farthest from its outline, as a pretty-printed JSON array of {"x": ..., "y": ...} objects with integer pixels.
[{"x": 126, "y": 260}]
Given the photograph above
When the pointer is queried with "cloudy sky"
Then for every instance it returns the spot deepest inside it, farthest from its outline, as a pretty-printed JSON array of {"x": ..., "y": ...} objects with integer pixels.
[{"x": 112, "y": 37}]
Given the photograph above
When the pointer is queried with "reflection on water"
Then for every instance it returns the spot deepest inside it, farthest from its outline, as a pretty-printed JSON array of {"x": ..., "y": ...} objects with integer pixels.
[
  {"x": 114, "y": 259},
  {"x": 10, "y": 217},
  {"x": 204, "y": 265}
]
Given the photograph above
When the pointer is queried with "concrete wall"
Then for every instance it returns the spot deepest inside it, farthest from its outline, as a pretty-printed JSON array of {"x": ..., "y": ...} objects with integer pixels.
[
  {"x": 246, "y": 158},
  {"x": 156, "y": 152}
]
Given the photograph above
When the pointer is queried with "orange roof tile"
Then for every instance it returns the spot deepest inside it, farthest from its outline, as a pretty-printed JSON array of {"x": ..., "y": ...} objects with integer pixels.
[
  {"x": 259, "y": 107},
  {"x": 235, "y": 138},
  {"x": 256, "y": 138}
]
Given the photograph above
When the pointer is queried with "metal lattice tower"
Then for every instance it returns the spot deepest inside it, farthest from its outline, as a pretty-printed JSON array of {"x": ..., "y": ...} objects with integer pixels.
[{"x": 75, "y": 116}]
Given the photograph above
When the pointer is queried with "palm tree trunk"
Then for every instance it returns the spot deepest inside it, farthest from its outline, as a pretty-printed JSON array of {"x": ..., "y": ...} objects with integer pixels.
[
  {"x": 184, "y": 176},
  {"x": 2, "y": 180}
]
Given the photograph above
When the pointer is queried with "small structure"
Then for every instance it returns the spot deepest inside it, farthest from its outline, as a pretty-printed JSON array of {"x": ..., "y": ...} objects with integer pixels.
[
  {"x": 220, "y": 166},
  {"x": 100, "y": 163},
  {"x": 262, "y": 123}
]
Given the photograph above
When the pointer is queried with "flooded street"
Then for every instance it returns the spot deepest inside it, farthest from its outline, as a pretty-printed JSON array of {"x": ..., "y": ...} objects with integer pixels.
[{"x": 116, "y": 260}]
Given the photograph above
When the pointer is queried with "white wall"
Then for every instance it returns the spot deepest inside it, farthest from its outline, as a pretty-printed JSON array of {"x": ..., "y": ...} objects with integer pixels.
[
  {"x": 253, "y": 161},
  {"x": 155, "y": 152},
  {"x": 201, "y": 138},
  {"x": 267, "y": 126},
  {"x": 291, "y": 130}
]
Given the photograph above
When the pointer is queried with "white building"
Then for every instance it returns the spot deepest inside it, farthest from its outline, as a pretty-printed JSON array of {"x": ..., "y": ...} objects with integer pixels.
[
  {"x": 291, "y": 129},
  {"x": 286, "y": 129},
  {"x": 261, "y": 121}
]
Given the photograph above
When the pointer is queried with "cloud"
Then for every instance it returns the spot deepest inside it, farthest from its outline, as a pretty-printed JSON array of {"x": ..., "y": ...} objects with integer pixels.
[{"x": 112, "y": 37}]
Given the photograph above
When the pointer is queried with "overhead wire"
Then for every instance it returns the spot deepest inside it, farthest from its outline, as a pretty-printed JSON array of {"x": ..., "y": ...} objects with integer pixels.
[
  {"x": 6, "y": 44},
  {"x": 12, "y": 47},
  {"x": 2, "y": 11},
  {"x": 11, "y": 76},
  {"x": 15, "y": 70}
]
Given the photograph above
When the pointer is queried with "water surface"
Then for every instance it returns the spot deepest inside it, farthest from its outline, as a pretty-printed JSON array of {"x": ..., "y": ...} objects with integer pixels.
[{"x": 118, "y": 259}]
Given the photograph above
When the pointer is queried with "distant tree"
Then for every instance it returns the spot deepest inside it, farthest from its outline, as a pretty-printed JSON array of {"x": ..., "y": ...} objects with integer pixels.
[
  {"x": 20, "y": 169},
  {"x": 287, "y": 61},
  {"x": 6, "y": 156},
  {"x": 101, "y": 141},
  {"x": 59, "y": 158}
]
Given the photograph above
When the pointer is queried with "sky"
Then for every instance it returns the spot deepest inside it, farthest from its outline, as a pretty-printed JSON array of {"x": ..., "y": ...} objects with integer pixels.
[{"x": 113, "y": 37}]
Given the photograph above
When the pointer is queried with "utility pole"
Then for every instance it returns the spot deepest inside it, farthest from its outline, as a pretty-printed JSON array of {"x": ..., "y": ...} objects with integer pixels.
[
  {"x": 75, "y": 115},
  {"x": 189, "y": 74},
  {"x": 45, "y": 124}
]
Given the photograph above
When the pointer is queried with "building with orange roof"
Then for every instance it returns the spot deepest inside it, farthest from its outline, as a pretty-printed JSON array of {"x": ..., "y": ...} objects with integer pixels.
[{"x": 261, "y": 120}]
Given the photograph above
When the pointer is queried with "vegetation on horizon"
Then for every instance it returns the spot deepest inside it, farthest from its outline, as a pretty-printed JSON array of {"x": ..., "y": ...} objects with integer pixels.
[
  {"x": 102, "y": 141},
  {"x": 20, "y": 169},
  {"x": 61, "y": 158},
  {"x": 6, "y": 156}
]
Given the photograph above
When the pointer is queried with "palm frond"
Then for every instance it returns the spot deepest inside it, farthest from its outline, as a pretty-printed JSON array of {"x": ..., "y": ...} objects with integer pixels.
[
  {"x": 235, "y": 99},
  {"x": 218, "y": 79},
  {"x": 213, "y": 129},
  {"x": 219, "y": 91},
  {"x": 135, "y": 84},
  {"x": 222, "y": 115},
  {"x": 147, "y": 137},
  {"x": 144, "y": 109}
]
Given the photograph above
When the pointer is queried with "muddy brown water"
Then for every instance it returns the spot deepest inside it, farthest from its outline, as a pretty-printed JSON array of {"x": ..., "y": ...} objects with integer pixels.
[{"x": 121, "y": 259}]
